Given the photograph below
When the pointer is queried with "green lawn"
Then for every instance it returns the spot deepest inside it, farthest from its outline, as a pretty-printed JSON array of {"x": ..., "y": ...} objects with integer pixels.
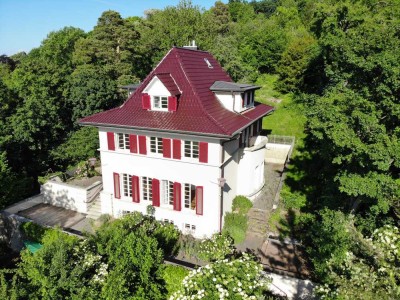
[{"x": 288, "y": 117}]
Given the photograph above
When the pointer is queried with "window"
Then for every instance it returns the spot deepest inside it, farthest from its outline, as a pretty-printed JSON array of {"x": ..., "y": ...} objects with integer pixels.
[
  {"x": 168, "y": 221},
  {"x": 244, "y": 99},
  {"x": 168, "y": 192},
  {"x": 147, "y": 188},
  {"x": 190, "y": 196},
  {"x": 123, "y": 140},
  {"x": 160, "y": 102},
  {"x": 156, "y": 145},
  {"x": 247, "y": 99},
  {"x": 190, "y": 228},
  {"x": 191, "y": 149},
  {"x": 127, "y": 185}
]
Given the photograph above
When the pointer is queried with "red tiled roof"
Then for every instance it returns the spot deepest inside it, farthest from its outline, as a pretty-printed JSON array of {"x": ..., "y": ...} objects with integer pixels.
[
  {"x": 199, "y": 111},
  {"x": 169, "y": 83}
]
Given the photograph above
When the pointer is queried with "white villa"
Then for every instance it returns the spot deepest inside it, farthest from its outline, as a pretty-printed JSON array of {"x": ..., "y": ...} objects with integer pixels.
[{"x": 186, "y": 141}]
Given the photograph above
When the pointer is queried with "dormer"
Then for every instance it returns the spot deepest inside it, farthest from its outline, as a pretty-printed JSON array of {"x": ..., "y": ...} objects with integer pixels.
[
  {"x": 161, "y": 93},
  {"x": 236, "y": 97}
]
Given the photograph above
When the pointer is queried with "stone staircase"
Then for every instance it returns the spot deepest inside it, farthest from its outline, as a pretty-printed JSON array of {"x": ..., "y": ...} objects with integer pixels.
[
  {"x": 94, "y": 211},
  {"x": 257, "y": 222}
]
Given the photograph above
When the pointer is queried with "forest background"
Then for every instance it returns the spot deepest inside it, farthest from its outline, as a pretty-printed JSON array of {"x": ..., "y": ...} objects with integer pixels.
[{"x": 339, "y": 62}]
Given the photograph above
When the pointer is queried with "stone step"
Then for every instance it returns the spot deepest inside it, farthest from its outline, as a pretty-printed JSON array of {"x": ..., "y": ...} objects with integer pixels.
[
  {"x": 95, "y": 205},
  {"x": 94, "y": 211}
]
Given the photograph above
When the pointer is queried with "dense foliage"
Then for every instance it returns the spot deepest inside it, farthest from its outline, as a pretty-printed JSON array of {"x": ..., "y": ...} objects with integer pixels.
[
  {"x": 338, "y": 59},
  {"x": 123, "y": 260}
]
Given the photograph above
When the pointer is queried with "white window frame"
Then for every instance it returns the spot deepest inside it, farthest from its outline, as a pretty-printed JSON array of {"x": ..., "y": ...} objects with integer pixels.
[
  {"x": 188, "y": 197},
  {"x": 191, "y": 149},
  {"x": 147, "y": 188},
  {"x": 127, "y": 185},
  {"x": 156, "y": 145},
  {"x": 167, "y": 189},
  {"x": 159, "y": 102},
  {"x": 123, "y": 141}
]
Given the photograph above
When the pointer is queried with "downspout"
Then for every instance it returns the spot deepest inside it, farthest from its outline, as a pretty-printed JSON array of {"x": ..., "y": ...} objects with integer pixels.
[{"x": 221, "y": 194}]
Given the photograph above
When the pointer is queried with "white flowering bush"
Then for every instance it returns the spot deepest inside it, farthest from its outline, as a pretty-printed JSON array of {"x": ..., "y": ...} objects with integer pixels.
[
  {"x": 375, "y": 270},
  {"x": 218, "y": 247},
  {"x": 91, "y": 262},
  {"x": 239, "y": 278}
]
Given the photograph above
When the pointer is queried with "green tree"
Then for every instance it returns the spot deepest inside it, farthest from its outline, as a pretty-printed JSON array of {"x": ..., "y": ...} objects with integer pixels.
[
  {"x": 301, "y": 52},
  {"x": 80, "y": 145},
  {"x": 91, "y": 90},
  {"x": 113, "y": 46},
  {"x": 354, "y": 125},
  {"x": 42, "y": 119},
  {"x": 172, "y": 26}
]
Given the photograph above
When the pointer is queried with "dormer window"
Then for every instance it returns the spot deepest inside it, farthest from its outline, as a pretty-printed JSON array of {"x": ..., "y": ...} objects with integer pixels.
[
  {"x": 161, "y": 93},
  {"x": 247, "y": 99},
  {"x": 160, "y": 102},
  {"x": 236, "y": 97}
]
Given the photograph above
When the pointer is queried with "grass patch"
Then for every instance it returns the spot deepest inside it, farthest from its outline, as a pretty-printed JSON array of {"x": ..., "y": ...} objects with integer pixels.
[
  {"x": 288, "y": 117},
  {"x": 173, "y": 276}
]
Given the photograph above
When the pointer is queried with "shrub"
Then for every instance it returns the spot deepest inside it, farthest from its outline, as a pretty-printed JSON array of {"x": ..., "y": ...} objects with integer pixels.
[
  {"x": 241, "y": 204},
  {"x": 239, "y": 278},
  {"x": 173, "y": 276},
  {"x": 167, "y": 236},
  {"x": 33, "y": 231},
  {"x": 235, "y": 226},
  {"x": 218, "y": 247}
]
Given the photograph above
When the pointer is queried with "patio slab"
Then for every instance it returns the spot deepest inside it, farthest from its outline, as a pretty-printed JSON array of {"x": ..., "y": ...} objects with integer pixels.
[{"x": 53, "y": 216}]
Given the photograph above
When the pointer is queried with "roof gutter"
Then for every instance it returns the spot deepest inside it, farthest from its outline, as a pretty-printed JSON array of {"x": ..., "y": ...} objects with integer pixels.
[
  {"x": 210, "y": 135},
  {"x": 241, "y": 129}
]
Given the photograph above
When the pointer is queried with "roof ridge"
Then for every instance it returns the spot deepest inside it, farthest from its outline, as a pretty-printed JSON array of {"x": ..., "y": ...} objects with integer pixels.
[{"x": 197, "y": 96}]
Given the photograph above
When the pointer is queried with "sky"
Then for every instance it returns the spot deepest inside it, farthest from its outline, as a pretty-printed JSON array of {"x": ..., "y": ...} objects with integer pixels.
[{"x": 25, "y": 23}]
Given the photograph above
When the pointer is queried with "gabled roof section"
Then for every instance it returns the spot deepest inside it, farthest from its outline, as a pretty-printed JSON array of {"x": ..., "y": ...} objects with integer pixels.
[
  {"x": 169, "y": 83},
  {"x": 224, "y": 86},
  {"x": 199, "y": 112}
]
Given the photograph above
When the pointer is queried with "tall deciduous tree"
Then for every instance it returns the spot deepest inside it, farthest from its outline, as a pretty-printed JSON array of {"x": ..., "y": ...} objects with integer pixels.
[{"x": 355, "y": 124}]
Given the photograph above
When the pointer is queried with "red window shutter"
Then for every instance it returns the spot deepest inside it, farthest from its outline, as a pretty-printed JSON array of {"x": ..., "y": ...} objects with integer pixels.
[
  {"x": 133, "y": 143},
  {"x": 142, "y": 144},
  {"x": 203, "y": 149},
  {"x": 166, "y": 148},
  {"x": 177, "y": 196},
  {"x": 172, "y": 103},
  {"x": 146, "y": 101},
  {"x": 177, "y": 149},
  {"x": 110, "y": 141},
  {"x": 117, "y": 191},
  {"x": 199, "y": 200},
  {"x": 155, "y": 183},
  {"x": 135, "y": 189}
]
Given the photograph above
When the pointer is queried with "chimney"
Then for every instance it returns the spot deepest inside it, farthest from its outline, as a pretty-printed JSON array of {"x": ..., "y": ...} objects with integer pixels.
[{"x": 192, "y": 45}]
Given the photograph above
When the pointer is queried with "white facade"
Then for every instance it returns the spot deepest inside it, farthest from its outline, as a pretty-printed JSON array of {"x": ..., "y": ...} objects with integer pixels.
[
  {"x": 235, "y": 101},
  {"x": 154, "y": 165},
  {"x": 225, "y": 160}
]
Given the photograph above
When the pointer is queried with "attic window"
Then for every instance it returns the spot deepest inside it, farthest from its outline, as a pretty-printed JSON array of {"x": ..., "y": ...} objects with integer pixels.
[{"x": 208, "y": 63}]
